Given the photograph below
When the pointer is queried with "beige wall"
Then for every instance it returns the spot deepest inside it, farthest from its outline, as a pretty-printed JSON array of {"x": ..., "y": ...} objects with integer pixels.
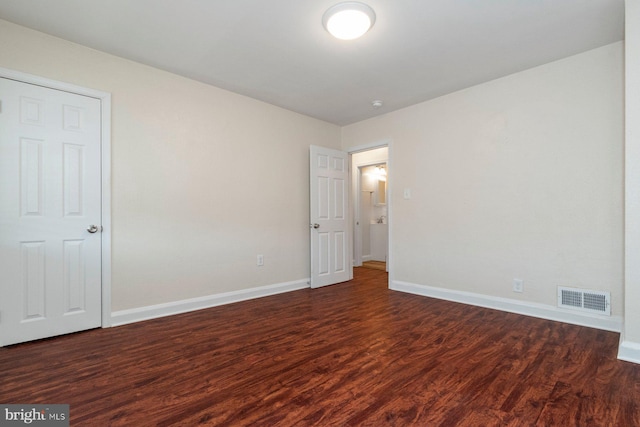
[
  {"x": 520, "y": 177},
  {"x": 203, "y": 179},
  {"x": 631, "y": 334}
]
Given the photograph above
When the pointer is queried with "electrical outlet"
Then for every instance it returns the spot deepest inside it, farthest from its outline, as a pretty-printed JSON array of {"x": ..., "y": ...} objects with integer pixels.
[
  {"x": 260, "y": 260},
  {"x": 518, "y": 285}
]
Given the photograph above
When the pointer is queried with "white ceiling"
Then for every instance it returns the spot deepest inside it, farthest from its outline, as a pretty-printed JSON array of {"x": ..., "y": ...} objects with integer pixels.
[{"x": 277, "y": 50}]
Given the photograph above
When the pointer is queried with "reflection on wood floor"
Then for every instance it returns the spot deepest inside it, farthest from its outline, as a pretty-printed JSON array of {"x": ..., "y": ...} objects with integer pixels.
[
  {"x": 351, "y": 354},
  {"x": 376, "y": 265}
]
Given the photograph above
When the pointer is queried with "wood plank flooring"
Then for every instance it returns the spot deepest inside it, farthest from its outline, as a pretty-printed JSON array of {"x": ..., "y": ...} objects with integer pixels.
[
  {"x": 376, "y": 265},
  {"x": 353, "y": 354}
]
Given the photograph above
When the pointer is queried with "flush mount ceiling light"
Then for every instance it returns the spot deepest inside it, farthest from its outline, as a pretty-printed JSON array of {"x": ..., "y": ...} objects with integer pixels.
[{"x": 348, "y": 20}]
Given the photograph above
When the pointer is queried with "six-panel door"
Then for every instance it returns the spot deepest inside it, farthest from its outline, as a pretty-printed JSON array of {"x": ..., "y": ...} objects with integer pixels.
[
  {"x": 50, "y": 264},
  {"x": 329, "y": 212}
]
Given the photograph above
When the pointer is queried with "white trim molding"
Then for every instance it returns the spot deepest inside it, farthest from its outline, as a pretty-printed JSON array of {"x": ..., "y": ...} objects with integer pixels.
[
  {"x": 140, "y": 314},
  {"x": 105, "y": 124},
  {"x": 542, "y": 311},
  {"x": 629, "y": 351},
  {"x": 371, "y": 146}
]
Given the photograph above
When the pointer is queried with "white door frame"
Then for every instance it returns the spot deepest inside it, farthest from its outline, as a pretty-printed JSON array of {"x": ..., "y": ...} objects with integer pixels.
[
  {"x": 357, "y": 211},
  {"x": 105, "y": 136},
  {"x": 367, "y": 147}
]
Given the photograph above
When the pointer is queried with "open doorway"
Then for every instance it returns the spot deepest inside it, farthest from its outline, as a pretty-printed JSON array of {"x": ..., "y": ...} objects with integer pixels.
[{"x": 370, "y": 183}]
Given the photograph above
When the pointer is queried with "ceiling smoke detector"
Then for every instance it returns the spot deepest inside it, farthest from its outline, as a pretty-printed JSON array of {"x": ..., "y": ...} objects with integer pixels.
[
  {"x": 376, "y": 104},
  {"x": 348, "y": 20}
]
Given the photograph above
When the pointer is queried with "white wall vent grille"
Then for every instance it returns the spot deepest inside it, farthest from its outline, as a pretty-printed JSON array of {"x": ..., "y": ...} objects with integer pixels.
[{"x": 585, "y": 300}]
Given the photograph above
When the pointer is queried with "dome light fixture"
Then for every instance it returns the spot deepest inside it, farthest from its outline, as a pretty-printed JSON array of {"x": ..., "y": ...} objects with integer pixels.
[{"x": 348, "y": 20}]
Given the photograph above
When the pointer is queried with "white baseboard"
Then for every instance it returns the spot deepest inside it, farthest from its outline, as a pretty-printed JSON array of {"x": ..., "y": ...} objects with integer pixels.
[
  {"x": 629, "y": 351},
  {"x": 366, "y": 258},
  {"x": 123, "y": 317},
  {"x": 543, "y": 311}
]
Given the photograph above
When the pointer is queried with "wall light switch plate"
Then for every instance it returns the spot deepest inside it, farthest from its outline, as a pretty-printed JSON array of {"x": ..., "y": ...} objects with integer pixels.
[
  {"x": 260, "y": 260},
  {"x": 407, "y": 193},
  {"x": 518, "y": 285}
]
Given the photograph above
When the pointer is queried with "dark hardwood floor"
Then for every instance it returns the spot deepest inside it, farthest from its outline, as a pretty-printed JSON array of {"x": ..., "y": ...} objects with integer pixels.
[{"x": 353, "y": 354}]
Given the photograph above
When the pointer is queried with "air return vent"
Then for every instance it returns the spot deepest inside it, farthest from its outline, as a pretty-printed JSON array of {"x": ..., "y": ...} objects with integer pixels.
[{"x": 585, "y": 300}]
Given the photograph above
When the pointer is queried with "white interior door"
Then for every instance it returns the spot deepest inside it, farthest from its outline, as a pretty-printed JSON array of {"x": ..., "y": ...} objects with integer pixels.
[
  {"x": 330, "y": 254},
  {"x": 50, "y": 212}
]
